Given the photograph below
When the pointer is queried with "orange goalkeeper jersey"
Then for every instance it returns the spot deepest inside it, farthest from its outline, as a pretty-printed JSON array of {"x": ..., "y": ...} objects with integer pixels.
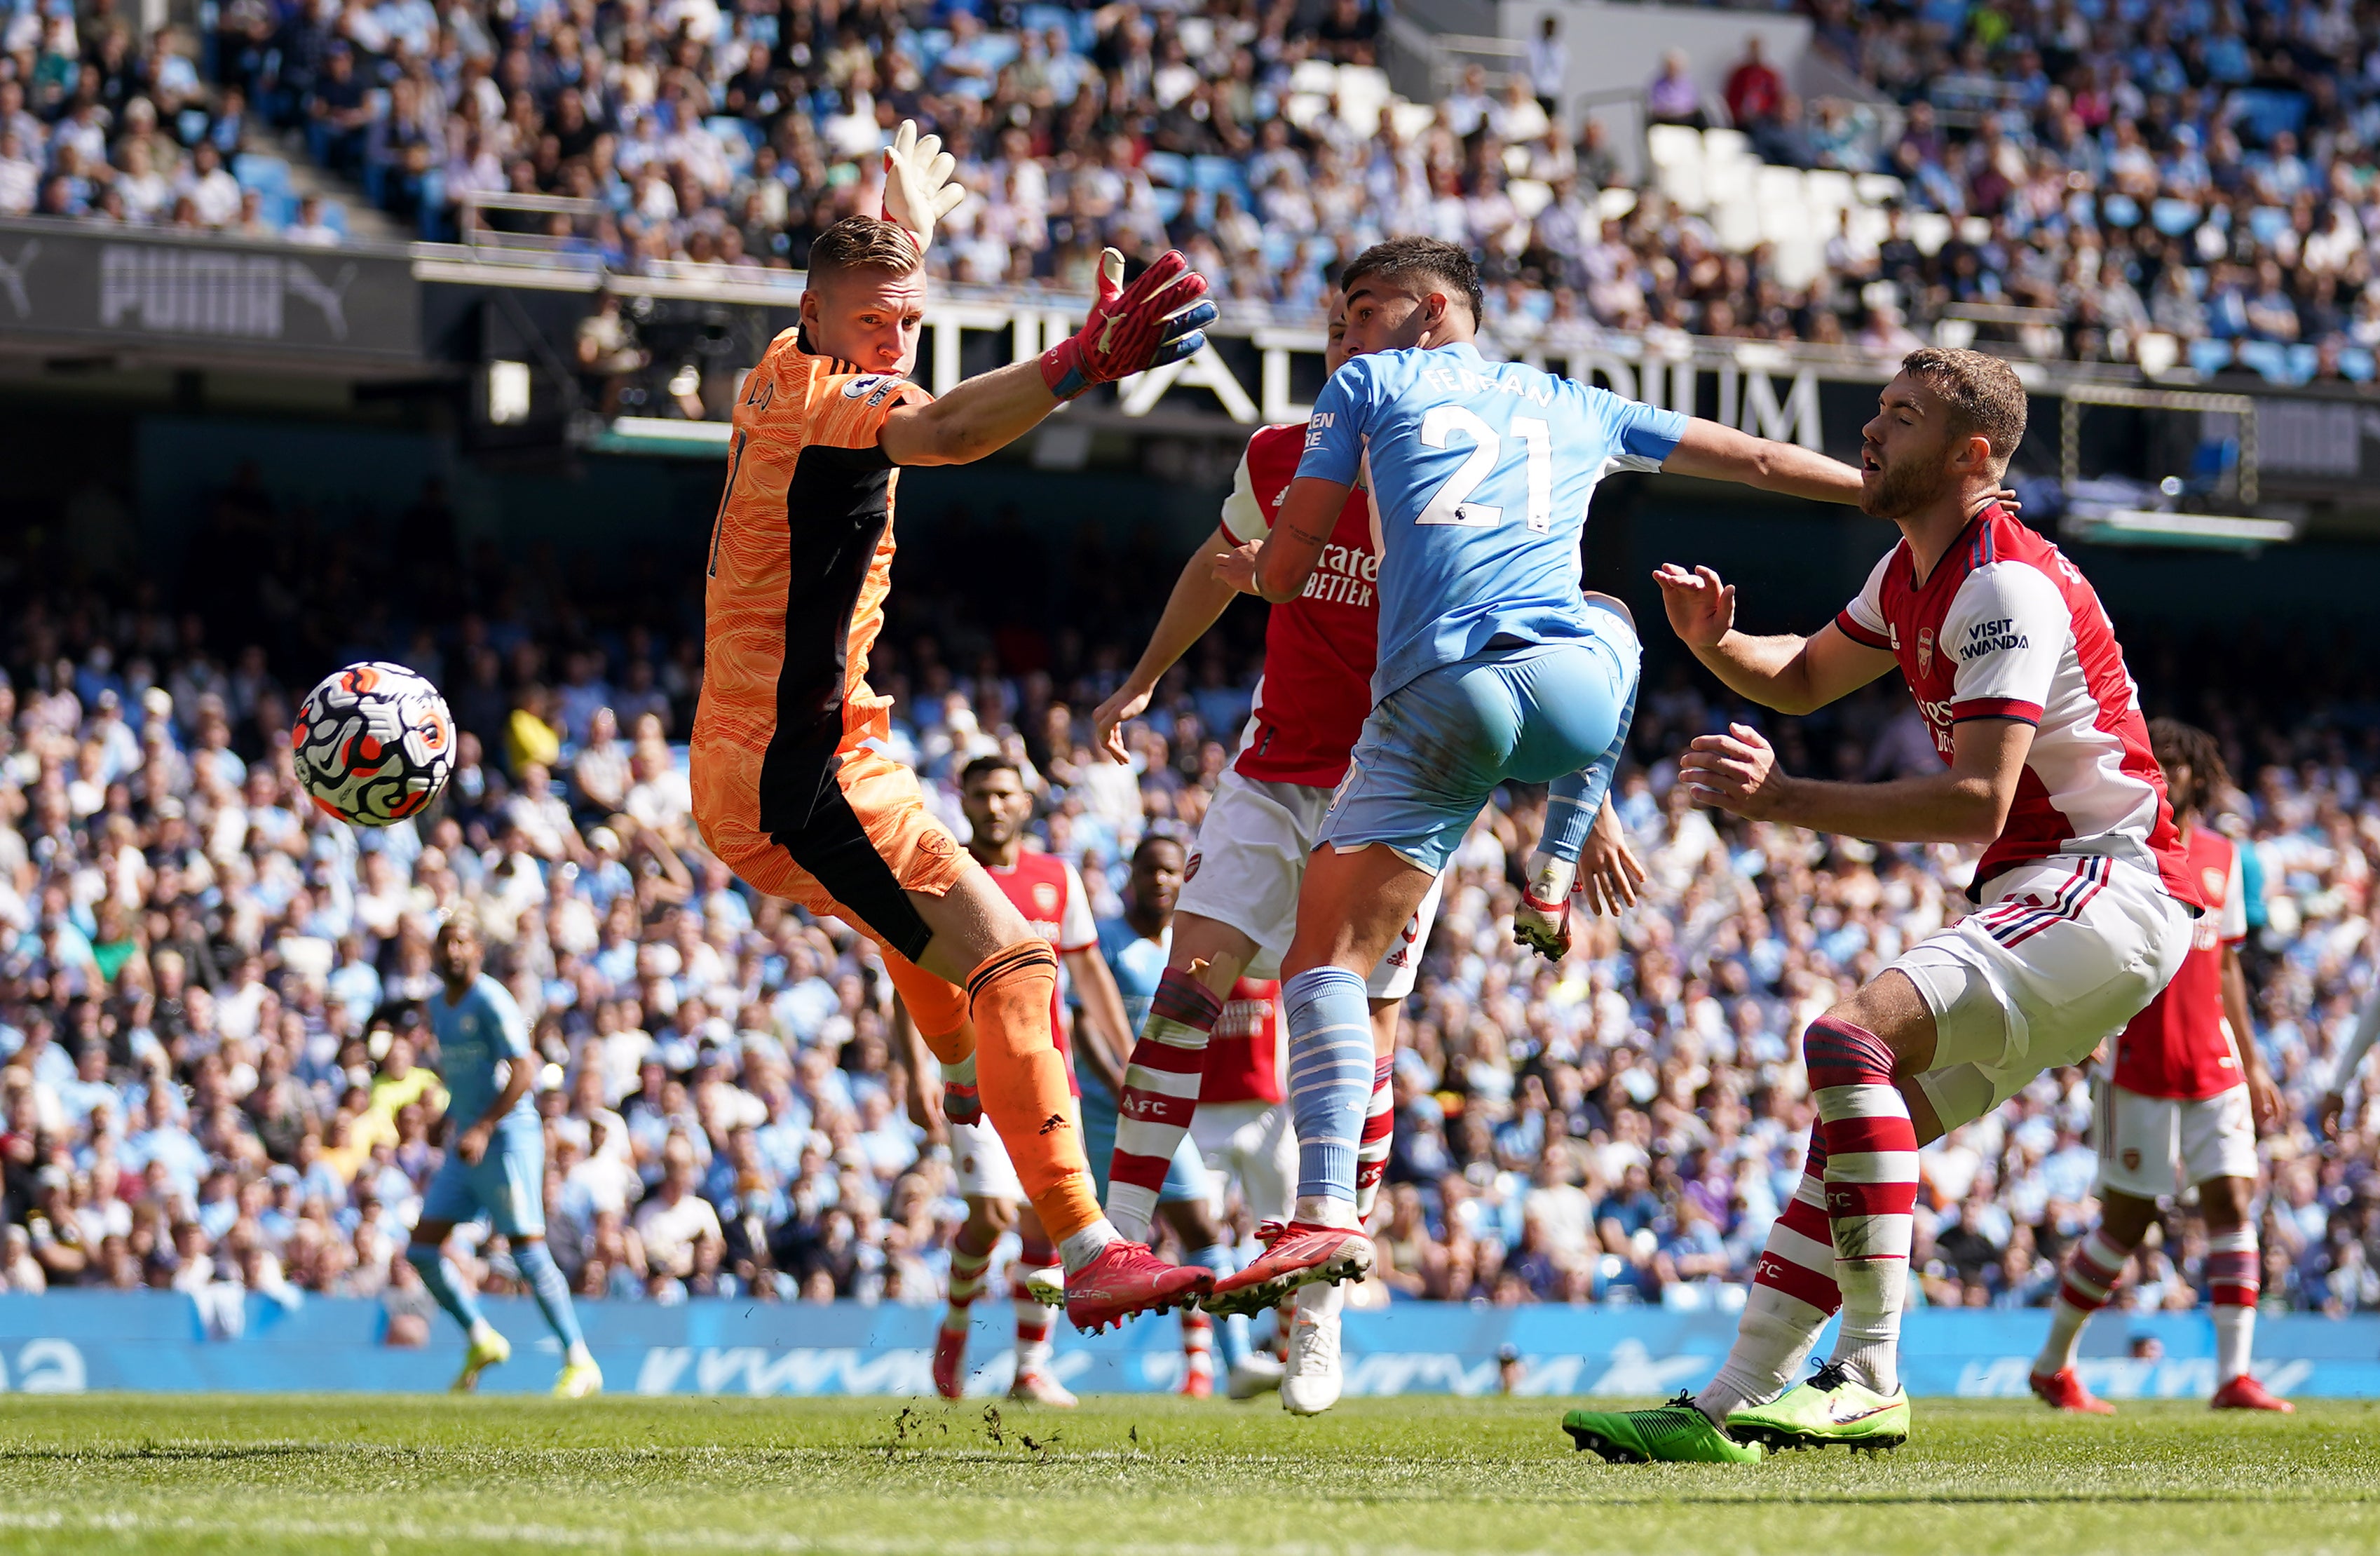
[{"x": 801, "y": 555}]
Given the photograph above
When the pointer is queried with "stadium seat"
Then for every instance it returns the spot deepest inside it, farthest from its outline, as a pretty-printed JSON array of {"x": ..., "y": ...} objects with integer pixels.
[
  {"x": 1880, "y": 189},
  {"x": 2173, "y": 217},
  {"x": 2268, "y": 358},
  {"x": 2119, "y": 210},
  {"x": 1167, "y": 169},
  {"x": 2355, "y": 363},
  {"x": 1529, "y": 196},
  {"x": 2209, "y": 356},
  {"x": 1929, "y": 230}
]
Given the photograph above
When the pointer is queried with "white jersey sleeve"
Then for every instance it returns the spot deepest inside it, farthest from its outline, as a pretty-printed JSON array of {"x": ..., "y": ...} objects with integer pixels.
[
  {"x": 1243, "y": 517},
  {"x": 2233, "y": 927},
  {"x": 1862, "y": 621},
  {"x": 2006, "y": 633},
  {"x": 1076, "y": 928}
]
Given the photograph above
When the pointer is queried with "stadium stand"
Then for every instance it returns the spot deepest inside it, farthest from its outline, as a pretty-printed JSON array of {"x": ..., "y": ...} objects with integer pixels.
[
  {"x": 209, "y": 992},
  {"x": 2163, "y": 186}
]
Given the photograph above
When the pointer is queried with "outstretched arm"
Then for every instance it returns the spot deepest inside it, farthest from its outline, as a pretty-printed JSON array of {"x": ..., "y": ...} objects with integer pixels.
[
  {"x": 1196, "y": 604},
  {"x": 1792, "y": 674},
  {"x": 1276, "y": 567},
  {"x": 979, "y": 416},
  {"x": 1156, "y": 319},
  {"x": 1720, "y": 452},
  {"x": 1967, "y": 803}
]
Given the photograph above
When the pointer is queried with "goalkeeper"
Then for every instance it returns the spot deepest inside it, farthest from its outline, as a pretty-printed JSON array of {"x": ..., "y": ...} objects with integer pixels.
[{"x": 792, "y": 788}]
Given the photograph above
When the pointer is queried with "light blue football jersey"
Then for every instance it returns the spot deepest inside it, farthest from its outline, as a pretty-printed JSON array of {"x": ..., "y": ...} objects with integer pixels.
[
  {"x": 476, "y": 1039},
  {"x": 1138, "y": 963},
  {"x": 1480, "y": 474}
]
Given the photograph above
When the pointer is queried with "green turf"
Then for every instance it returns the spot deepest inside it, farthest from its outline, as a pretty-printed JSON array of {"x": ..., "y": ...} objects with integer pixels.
[{"x": 259, "y": 1475}]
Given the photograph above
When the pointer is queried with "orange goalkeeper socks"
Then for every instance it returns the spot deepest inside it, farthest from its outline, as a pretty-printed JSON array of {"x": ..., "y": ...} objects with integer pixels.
[{"x": 1023, "y": 1084}]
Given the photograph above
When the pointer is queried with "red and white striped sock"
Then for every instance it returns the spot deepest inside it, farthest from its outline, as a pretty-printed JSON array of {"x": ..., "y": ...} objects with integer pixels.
[
  {"x": 2233, "y": 1283},
  {"x": 968, "y": 1266},
  {"x": 1380, "y": 1133},
  {"x": 2093, "y": 1272},
  {"x": 1871, "y": 1191},
  {"x": 1033, "y": 1319},
  {"x": 1793, "y": 1295},
  {"x": 1198, "y": 1344},
  {"x": 1161, "y": 1093}
]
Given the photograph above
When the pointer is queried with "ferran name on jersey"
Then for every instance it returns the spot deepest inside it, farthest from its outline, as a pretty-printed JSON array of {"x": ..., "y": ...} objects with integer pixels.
[{"x": 1462, "y": 380}]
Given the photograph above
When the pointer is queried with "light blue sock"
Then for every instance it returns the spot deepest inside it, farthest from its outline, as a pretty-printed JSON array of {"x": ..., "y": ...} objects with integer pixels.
[
  {"x": 1572, "y": 799},
  {"x": 1329, "y": 1076},
  {"x": 544, "y": 1277},
  {"x": 1231, "y": 1333},
  {"x": 444, "y": 1283}
]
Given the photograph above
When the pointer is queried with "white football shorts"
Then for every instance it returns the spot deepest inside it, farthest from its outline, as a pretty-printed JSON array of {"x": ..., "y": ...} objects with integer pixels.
[
  {"x": 1254, "y": 1143},
  {"x": 981, "y": 1163},
  {"x": 2151, "y": 1147},
  {"x": 1249, "y": 862},
  {"x": 2062, "y": 953}
]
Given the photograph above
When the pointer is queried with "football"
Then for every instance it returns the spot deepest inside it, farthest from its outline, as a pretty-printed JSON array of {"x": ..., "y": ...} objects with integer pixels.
[{"x": 373, "y": 743}]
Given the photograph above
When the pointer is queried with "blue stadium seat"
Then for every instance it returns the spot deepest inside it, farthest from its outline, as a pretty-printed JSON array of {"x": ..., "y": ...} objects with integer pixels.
[
  {"x": 1167, "y": 169},
  {"x": 2299, "y": 362},
  {"x": 1169, "y": 204},
  {"x": 2173, "y": 217},
  {"x": 268, "y": 174},
  {"x": 2121, "y": 211},
  {"x": 2268, "y": 222},
  {"x": 2269, "y": 359},
  {"x": 2209, "y": 356},
  {"x": 2356, "y": 364}
]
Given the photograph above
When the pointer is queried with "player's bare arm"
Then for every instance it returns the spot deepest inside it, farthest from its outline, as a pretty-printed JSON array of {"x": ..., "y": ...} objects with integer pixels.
[
  {"x": 1720, "y": 453},
  {"x": 2263, "y": 1096},
  {"x": 1103, "y": 1038},
  {"x": 1790, "y": 674},
  {"x": 1276, "y": 567},
  {"x": 1967, "y": 802},
  {"x": 1197, "y": 602}
]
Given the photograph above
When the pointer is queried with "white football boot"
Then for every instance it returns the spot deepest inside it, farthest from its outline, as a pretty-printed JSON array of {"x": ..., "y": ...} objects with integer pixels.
[{"x": 1312, "y": 1383}]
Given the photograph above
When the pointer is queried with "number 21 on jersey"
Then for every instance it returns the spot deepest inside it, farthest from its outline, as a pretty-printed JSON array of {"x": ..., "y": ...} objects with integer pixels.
[{"x": 1452, "y": 504}]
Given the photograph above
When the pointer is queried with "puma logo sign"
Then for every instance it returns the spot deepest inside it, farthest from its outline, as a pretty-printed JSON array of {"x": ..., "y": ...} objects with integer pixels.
[{"x": 1107, "y": 334}]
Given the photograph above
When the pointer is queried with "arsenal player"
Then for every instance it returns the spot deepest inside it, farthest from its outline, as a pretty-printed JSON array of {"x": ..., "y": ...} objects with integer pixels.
[
  {"x": 2087, "y": 899},
  {"x": 2182, "y": 1109}
]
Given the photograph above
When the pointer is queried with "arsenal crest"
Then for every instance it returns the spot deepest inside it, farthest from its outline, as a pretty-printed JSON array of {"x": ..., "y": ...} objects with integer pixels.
[{"x": 1924, "y": 651}]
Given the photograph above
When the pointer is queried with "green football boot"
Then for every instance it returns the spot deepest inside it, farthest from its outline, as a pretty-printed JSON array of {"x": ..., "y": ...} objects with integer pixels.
[
  {"x": 1675, "y": 1433},
  {"x": 1830, "y": 1410}
]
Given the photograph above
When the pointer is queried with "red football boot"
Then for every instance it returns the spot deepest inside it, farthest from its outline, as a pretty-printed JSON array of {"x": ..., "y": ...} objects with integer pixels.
[
  {"x": 2244, "y": 1392},
  {"x": 1297, "y": 1254},
  {"x": 1126, "y": 1279},
  {"x": 2062, "y": 1391},
  {"x": 950, "y": 1361}
]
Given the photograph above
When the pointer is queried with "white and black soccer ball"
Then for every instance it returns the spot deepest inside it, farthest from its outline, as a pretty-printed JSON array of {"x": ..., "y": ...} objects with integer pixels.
[{"x": 373, "y": 743}]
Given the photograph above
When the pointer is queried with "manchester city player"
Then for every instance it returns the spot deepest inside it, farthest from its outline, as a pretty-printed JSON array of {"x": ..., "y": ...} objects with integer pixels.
[
  {"x": 495, "y": 1161},
  {"x": 1493, "y": 664}
]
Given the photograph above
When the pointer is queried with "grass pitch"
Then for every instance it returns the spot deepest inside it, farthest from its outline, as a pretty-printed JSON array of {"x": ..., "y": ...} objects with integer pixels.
[{"x": 323, "y": 1475}]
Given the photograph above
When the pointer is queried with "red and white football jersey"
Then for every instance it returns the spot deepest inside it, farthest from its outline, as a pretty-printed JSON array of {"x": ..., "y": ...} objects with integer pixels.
[
  {"x": 2182, "y": 1046},
  {"x": 2005, "y": 628},
  {"x": 1048, "y": 891},
  {"x": 1246, "y": 1057},
  {"x": 1316, "y": 687}
]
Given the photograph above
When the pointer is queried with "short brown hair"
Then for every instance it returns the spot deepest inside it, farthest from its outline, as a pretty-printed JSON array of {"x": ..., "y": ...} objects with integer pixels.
[
  {"x": 864, "y": 243},
  {"x": 1985, "y": 395},
  {"x": 1398, "y": 259}
]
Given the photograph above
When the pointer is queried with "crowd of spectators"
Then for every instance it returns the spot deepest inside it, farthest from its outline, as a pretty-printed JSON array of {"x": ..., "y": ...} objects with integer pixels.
[
  {"x": 215, "y": 1076},
  {"x": 2201, "y": 173}
]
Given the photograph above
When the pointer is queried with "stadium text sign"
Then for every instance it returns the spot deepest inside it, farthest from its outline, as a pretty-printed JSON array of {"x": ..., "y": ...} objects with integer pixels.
[{"x": 137, "y": 289}]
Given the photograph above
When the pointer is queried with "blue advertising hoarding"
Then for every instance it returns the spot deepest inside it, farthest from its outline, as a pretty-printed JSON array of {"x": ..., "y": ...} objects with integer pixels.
[{"x": 157, "y": 1341}]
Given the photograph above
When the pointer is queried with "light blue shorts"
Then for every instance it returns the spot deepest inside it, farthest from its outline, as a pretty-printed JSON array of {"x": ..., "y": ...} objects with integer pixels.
[
  {"x": 1436, "y": 748},
  {"x": 1187, "y": 1179},
  {"x": 508, "y": 1184}
]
